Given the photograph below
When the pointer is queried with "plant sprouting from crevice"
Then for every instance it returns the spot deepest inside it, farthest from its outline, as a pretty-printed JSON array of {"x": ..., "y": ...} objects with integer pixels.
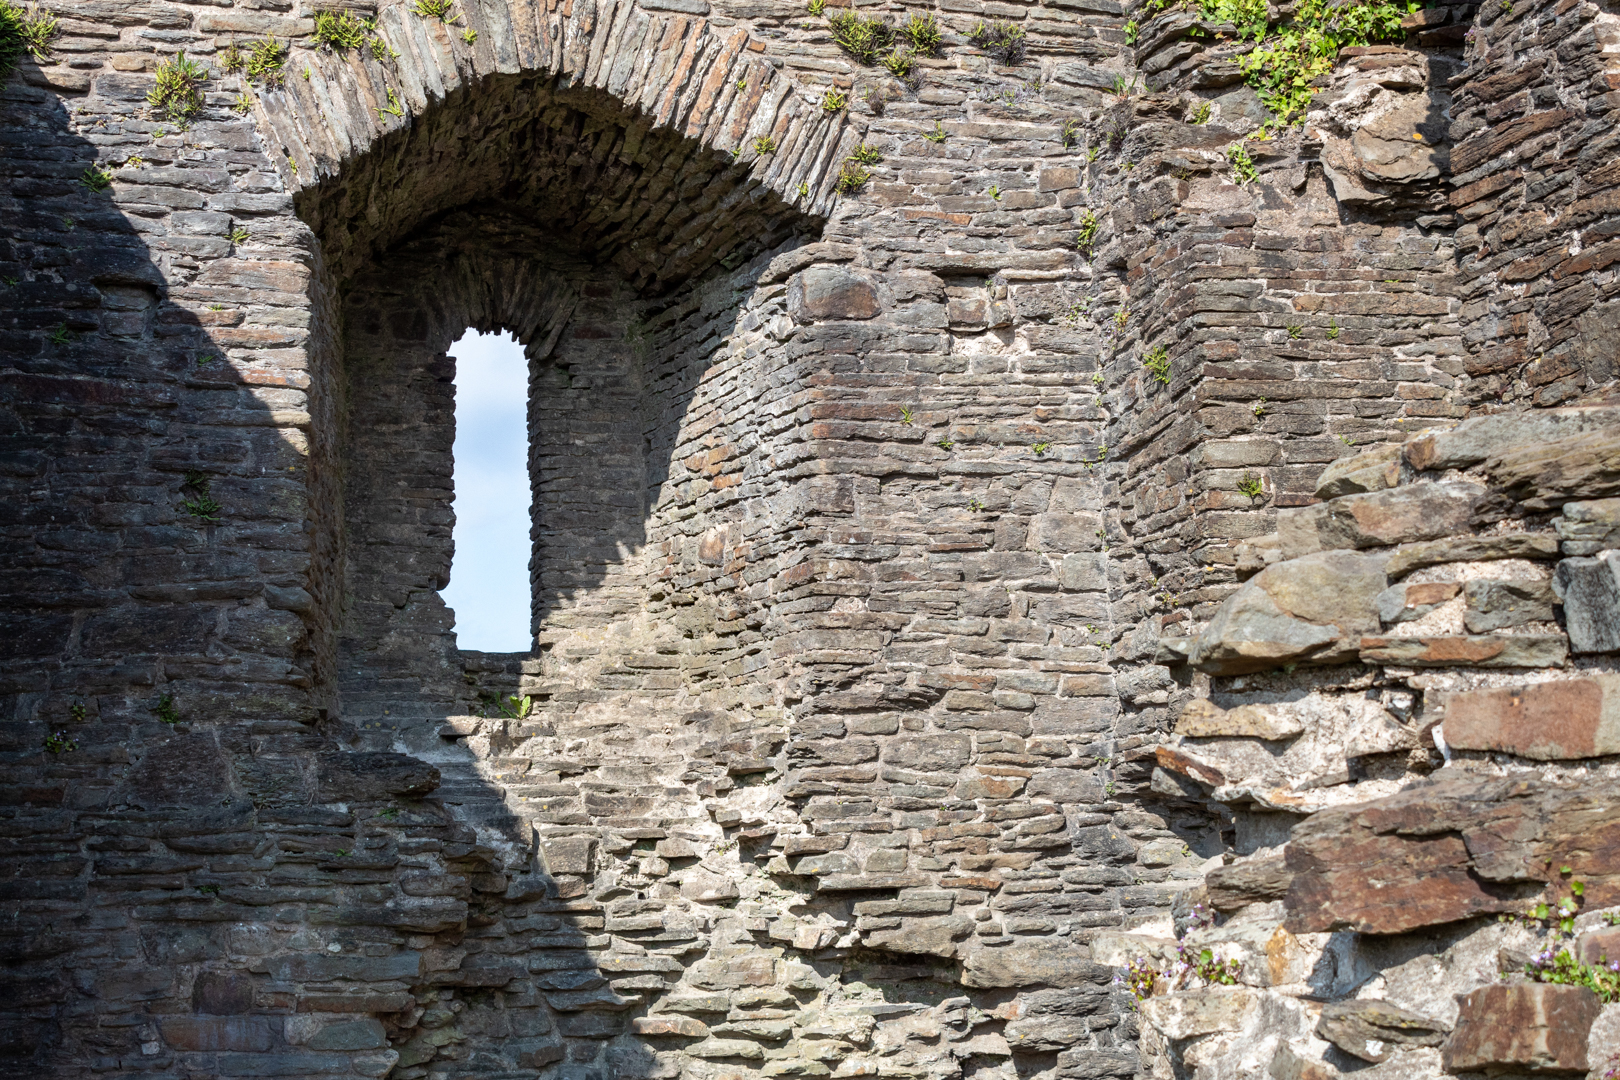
[
  {"x": 340, "y": 31},
  {"x": 866, "y": 38},
  {"x": 852, "y": 176},
  {"x": 176, "y": 93},
  {"x": 1004, "y": 42},
  {"x": 200, "y": 503},
  {"x": 866, "y": 154},
  {"x": 22, "y": 32},
  {"x": 1088, "y": 233},
  {"x": 833, "y": 100},
  {"x": 923, "y": 33},
  {"x": 1242, "y": 165},
  {"x": 1157, "y": 362},
  {"x": 435, "y": 9}
]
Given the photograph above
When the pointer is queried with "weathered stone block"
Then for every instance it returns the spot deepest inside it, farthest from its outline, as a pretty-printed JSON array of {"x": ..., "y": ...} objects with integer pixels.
[
  {"x": 1248, "y": 881},
  {"x": 1057, "y": 963},
  {"x": 1292, "y": 611},
  {"x": 365, "y": 1034},
  {"x": 1494, "y": 604},
  {"x": 1202, "y": 719},
  {"x": 1064, "y": 786},
  {"x": 218, "y": 993},
  {"x": 1537, "y": 1027},
  {"x": 925, "y": 937},
  {"x": 1202, "y": 1012},
  {"x": 1550, "y": 721},
  {"x": 217, "y": 1032},
  {"x": 372, "y": 776},
  {"x": 1589, "y": 589},
  {"x": 1369, "y": 1029},
  {"x": 1402, "y": 603},
  {"x": 1370, "y": 470},
  {"x": 830, "y": 292}
]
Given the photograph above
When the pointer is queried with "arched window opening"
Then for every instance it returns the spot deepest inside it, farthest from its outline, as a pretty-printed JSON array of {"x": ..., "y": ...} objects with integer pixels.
[{"x": 489, "y": 572}]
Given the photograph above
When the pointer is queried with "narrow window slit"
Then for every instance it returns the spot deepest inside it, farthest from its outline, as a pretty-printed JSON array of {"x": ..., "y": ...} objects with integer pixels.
[{"x": 489, "y": 590}]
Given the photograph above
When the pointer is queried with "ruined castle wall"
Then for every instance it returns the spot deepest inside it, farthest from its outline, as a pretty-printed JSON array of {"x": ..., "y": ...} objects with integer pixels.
[
  {"x": 886, "y": 697},
  {"x": 1534, "y": 175}
]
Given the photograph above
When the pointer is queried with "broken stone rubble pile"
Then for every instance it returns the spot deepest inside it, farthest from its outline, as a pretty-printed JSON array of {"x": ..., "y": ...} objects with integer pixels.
[{"x": 1419, "y": 749}]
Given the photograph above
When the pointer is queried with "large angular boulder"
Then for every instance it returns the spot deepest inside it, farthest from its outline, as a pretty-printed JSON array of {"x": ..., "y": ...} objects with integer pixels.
[
  {"x": 1421, "y": 511},
  {"x": 1541, "y": 475},
  {"x": 1305, "y": 608},
  {"x": 1370, "y": 470},
  {"x": 1447, "y": 850},
  {"x": 1476, "y": 439}
]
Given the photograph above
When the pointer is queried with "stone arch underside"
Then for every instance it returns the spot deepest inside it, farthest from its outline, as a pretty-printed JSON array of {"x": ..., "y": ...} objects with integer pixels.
[{"x": 597, "y": 241}]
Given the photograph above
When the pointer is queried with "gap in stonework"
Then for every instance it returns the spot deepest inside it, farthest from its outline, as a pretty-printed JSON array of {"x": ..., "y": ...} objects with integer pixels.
[{"x": 489, "y": 587}]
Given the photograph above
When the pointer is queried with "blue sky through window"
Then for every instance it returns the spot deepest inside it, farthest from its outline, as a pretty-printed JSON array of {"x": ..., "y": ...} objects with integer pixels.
[{"x": 489, "y": 576}]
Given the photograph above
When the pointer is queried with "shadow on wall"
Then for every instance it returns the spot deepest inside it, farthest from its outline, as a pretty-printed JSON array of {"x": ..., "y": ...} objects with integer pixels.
[
  {"x": 200, "y": 876},
  {"x": 607, "y": 250}
]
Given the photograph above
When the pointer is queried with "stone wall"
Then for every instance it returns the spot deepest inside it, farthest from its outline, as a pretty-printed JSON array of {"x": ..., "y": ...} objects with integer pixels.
[{"x": 910, "y": 656}]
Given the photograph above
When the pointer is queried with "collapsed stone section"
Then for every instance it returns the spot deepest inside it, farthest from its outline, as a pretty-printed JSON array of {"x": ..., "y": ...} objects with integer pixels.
[{"x": 1440, "y": 772}]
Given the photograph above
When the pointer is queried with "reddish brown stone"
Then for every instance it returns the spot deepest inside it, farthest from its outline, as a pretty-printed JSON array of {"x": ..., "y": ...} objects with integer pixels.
[
  {"x": 1486, "y": 650},
  {"x": 217, "y": 1032},
  {"x": 1177, "y": 762},
  {"x": 1601, "y": 946},
  {"x": 669, "y": 1024},
  {"x": 1551, "y": 721},
  {"x": 1534, "y": 1026},
  {"x": 1447, "y": 850}
]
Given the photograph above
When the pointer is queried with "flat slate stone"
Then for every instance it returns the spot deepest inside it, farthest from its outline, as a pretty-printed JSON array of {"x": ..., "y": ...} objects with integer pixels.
[
  {"x": 1490, "y": 651},
  {"x": 1369, "y": 1030},
  {"x": 1476, "y": 439},
  {"x": 1423, "y": 511},
  {"x": 1411, "y": 557},
  {"x": 1542, "y": 475},
  {"x": 1552, "y": 721},
  {"x": 1202, "y": 718},
  {"x": 1538, "y": 1027}
]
